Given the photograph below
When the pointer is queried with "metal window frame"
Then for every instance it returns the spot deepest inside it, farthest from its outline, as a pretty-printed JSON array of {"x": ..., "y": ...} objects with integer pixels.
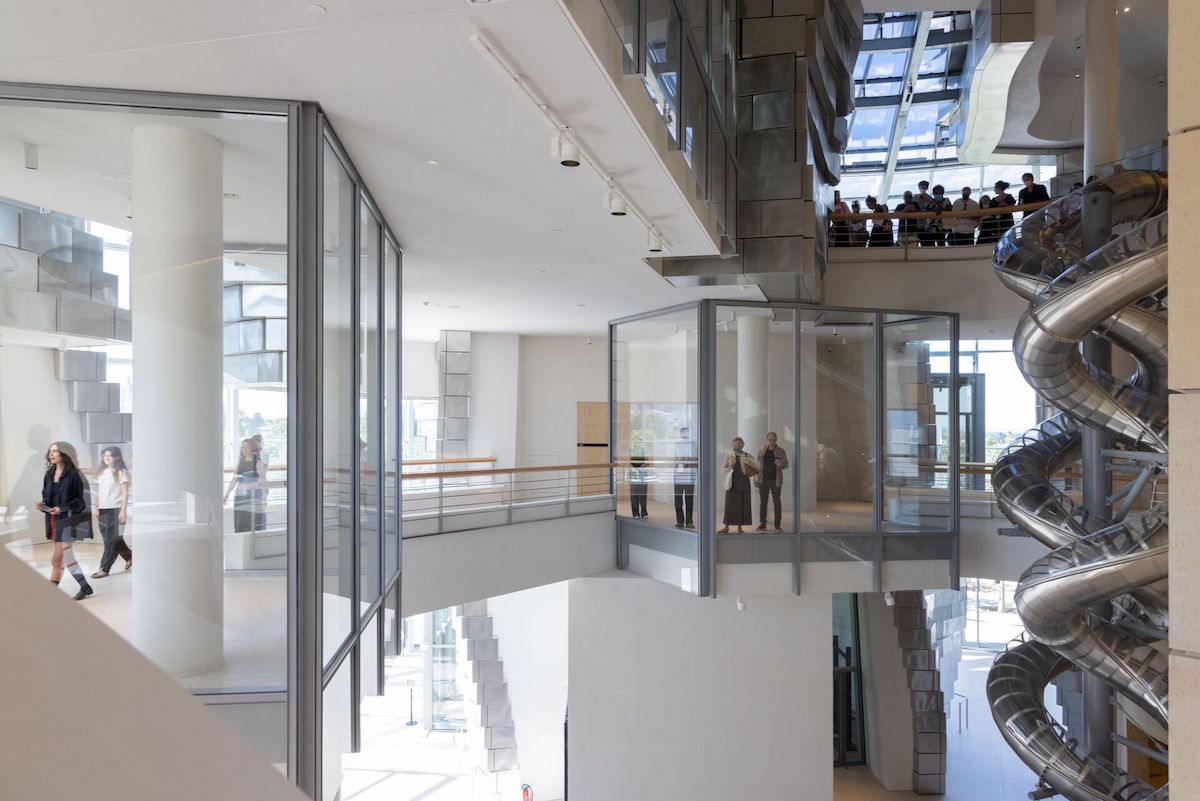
[{"x": 308, "y": 131}]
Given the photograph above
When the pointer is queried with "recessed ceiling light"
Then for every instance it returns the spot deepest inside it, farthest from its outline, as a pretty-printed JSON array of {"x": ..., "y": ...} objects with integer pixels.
[
  {"x": 1126, "y": 9},
  {"x": 1077, "y": 75},
  {"x": 231, "y": 196},
  {"x": 581, "y": 305},
  {"x": 317, "y": 9},
  {"x": 115, "y": 177},
  {"x": 432, "y": 162}
]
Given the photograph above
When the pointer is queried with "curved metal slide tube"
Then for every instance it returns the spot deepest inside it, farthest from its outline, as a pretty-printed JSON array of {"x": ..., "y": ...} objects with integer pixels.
[{"x": 1063, "y": 599}]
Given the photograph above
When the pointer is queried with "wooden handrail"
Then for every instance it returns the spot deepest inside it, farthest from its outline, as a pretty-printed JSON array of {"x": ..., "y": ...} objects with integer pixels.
[
  {"x": 463, "y": 460},
  {"x": 503, "y": 471},
  {"x": 934, "y": 215}
]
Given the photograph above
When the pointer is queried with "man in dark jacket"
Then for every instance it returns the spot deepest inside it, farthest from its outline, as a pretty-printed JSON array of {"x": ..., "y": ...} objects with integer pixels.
[{"x": 1032, "y": 193}]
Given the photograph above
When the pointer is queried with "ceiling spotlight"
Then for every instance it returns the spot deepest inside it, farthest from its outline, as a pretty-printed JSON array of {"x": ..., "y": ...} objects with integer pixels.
[
  {"x": 1077, "y": 75},
  {"x": 614, "y": 204},
  {"x": 432, "y": 162},
  {"x": 564, "y": 149},
  {"x": 317, "y": 9},
  {"x": 654, "y": 242}
]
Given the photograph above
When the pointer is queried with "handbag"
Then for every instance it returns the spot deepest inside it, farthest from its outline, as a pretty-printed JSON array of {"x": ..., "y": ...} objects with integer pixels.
[{"x": 748, "y": 470}]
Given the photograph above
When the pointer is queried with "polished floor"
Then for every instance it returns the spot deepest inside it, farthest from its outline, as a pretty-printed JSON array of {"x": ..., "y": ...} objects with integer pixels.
[
  {"x": 255, "y": 616},
  {"x": 979, "y": 764}
]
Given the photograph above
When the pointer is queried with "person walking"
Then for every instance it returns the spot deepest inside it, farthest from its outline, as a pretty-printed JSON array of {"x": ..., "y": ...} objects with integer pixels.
[
  {"x": 249, "y": 477},
  {"x": 65, "y": 503},
  {"x": 112, "y": 481},
  {"x": 1031, "y": 192},
  {"x": 772, "y": 461},
  {"x": 638, "y": 477},
  {"x": 962, "y": 229},
  {"x": 685, "y": 479},
  {"x": 739, "y": 468}
]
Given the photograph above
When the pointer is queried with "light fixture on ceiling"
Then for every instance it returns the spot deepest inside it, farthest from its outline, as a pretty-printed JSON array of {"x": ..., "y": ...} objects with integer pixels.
[
  {"x": 564, "y": 140},
  {"x": 614, "y": 204},
  {"x": 231, "y": 196},
  {"x": 317, "y": 9},
  {"x": 31, "y": 156},
  {"x": 564, "y": 150},
  {"x": 1077, "y": 75},
  {"x": 432, "y": 162},
  {"x": 654, "y": 242}
]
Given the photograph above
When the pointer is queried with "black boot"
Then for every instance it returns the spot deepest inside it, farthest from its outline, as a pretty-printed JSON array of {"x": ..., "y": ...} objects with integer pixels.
[{"x": 85, "y": 590}]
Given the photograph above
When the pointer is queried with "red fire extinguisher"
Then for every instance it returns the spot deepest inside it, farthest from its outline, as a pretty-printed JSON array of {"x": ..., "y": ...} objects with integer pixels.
[{"x": 526, "y": 793}]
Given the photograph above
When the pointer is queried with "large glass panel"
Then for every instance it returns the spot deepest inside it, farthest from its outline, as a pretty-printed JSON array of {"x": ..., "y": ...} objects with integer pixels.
[
  {"x": 716, "y": 174},
  {"x": 718, "y": 41},
  {"x": 883, "y": 65},
  {"x": 624, "y": 17},
  {"x": 837, "y": 452},
  {"x": 661, "y": 76},
  {"x": 111, "y": 305},
  {"x": 756, "y": 418},
  {"x": 390, "y": 434},
  {"x": 337, "y": 710},
  {"x": 368, "y": 657},
  {"x": 916, "y": 496},
  {"x": 695, "y": 123},
  {"x": 369, "y": 569},
  {"x": 697, "y": 14},
  {"x": 656, "y": 449},
  {"x": 872, "y": 128},
  {"x": 340, "y": 439}
]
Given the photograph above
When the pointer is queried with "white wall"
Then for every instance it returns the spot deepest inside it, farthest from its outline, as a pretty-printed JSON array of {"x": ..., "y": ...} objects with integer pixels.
[
  {"x": 495, "y": 386},
  {"x": 969, "y": 287},
  {"x": 886, "y": 697},
  {"x": 34, "y": 411},
  {"x": 678, "y": 697},
  {"x": 420, "y": 370},
  {"x": 454, "y": 568},
  {"x": 531, "y": 627},
  {"x": 152, "y": 740},
  {"x": 556, "y": 374}
]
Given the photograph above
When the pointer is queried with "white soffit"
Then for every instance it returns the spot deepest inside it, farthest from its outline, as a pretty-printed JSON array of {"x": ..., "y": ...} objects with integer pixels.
[{"x": 988, "y": 104}]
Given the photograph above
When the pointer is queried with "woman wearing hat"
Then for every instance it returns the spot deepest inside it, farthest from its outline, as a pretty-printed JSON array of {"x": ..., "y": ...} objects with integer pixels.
[{"x": 65, "y": 503}]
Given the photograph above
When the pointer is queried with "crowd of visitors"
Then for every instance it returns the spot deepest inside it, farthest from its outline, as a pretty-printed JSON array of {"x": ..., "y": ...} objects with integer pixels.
[{"x": 933, "y": 232}]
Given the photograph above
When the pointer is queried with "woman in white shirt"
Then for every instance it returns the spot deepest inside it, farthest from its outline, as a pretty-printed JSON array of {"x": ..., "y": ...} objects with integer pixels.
[{"x": 111, "y": 502}]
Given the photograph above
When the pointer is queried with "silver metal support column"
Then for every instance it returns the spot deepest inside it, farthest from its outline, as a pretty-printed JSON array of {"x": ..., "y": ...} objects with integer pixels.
[
  {"x": 920, "y": 38},
  {"x": 1097, "y": 482},
  {"x": 305, "y": 141},
  {"x": 877, "y": 467},
  {"x": 707, "y": 450}
]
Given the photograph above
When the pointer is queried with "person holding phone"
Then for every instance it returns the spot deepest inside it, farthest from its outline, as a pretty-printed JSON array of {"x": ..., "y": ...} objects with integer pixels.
[
  {"x": 739, "y": 468},
  {"x": 65, "y": 504}
]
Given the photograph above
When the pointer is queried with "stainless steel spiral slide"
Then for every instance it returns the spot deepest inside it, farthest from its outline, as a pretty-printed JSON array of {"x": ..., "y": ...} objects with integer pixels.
[{"x": 1098, "y": 600}]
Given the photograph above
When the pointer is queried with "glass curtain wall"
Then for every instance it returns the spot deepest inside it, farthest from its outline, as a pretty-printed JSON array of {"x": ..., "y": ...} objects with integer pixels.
[
  {"x": 208, "y": 302},
  {"x": 683, "y": 51},
  {"x": 655, "y": 432},
  {"x": 827, "y": 415}
]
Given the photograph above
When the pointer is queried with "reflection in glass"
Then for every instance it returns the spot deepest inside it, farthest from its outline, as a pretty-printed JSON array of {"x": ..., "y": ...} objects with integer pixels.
[
  {"x": 755, "y": 374},
  {"x": 340, "y": 438},
  {"x": 391, "y": 409},
  {"x": 695, "y": 123},
  {"x": 916, "y": 496},
  {"x": 368, "y": 410},
  {"x": 837, "y": 421},
  {"x": 661, "y": 76},
  {"x": 624, "y": 17}
]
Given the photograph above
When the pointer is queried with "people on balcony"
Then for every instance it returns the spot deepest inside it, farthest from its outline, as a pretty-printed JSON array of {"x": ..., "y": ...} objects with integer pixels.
[
  {"x": 909, "y": 229},
  {"x": 935, "y": 230},
  {"x": 772, "y": 461},
  {"x": 638, "y": 476},
  {"x": 839, "y": 230},
  {"x": 1032, "y": 193},
  {"x": 250, "y": 477},
  {"x": 685, "y": 479},
  {"x": 881, "y": 229},
  {"x": 962, "y": 229},
  {"x": 739, "y": 468},
  {"x": 1001, "y": 200}
]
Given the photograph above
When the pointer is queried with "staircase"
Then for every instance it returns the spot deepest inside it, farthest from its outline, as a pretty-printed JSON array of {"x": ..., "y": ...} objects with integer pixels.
[
  {"x": 931, "y": 640},
  {"x": 480, "y": 674}
]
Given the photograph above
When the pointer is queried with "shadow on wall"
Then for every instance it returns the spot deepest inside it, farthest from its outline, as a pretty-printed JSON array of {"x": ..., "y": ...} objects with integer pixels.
[{"x": 26, "y": 490}]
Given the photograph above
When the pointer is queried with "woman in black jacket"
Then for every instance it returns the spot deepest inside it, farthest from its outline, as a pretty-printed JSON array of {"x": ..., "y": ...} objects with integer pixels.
[
  {"x": 65, "y": 503},
  {"x": 1001, "y": 199}
]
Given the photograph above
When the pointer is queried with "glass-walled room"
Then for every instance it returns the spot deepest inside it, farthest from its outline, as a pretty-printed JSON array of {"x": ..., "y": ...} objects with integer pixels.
[
  {"x": 200, "y": 308},
  {"x": 813, "y": 436}
]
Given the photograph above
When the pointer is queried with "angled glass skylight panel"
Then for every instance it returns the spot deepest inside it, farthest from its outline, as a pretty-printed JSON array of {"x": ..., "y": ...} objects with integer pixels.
[
  {"x": 934, "y": 60},
  {"x": 921, "y": 126},
  {"x": 880, "y": 88},
  {"x": 872, "y": 128},
  {"x": 888, "y": 64}
]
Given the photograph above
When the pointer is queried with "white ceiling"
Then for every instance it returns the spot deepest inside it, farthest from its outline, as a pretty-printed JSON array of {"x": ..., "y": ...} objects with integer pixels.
[{"x": 497, "y": 237}]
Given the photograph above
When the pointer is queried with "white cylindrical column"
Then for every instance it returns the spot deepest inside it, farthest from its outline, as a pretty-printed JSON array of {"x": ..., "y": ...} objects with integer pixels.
[
  {"x": 752, "y": 380},
  {"x": 177, "y": 520},
  {"x": 1099, "y": 84}
]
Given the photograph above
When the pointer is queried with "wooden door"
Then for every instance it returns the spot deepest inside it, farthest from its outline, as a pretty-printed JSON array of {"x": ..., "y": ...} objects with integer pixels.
[{"x": 591, "y": 446}]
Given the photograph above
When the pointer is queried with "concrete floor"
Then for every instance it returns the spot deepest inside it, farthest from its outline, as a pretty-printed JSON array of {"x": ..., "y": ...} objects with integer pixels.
[{"x": 980, "y": 765}]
